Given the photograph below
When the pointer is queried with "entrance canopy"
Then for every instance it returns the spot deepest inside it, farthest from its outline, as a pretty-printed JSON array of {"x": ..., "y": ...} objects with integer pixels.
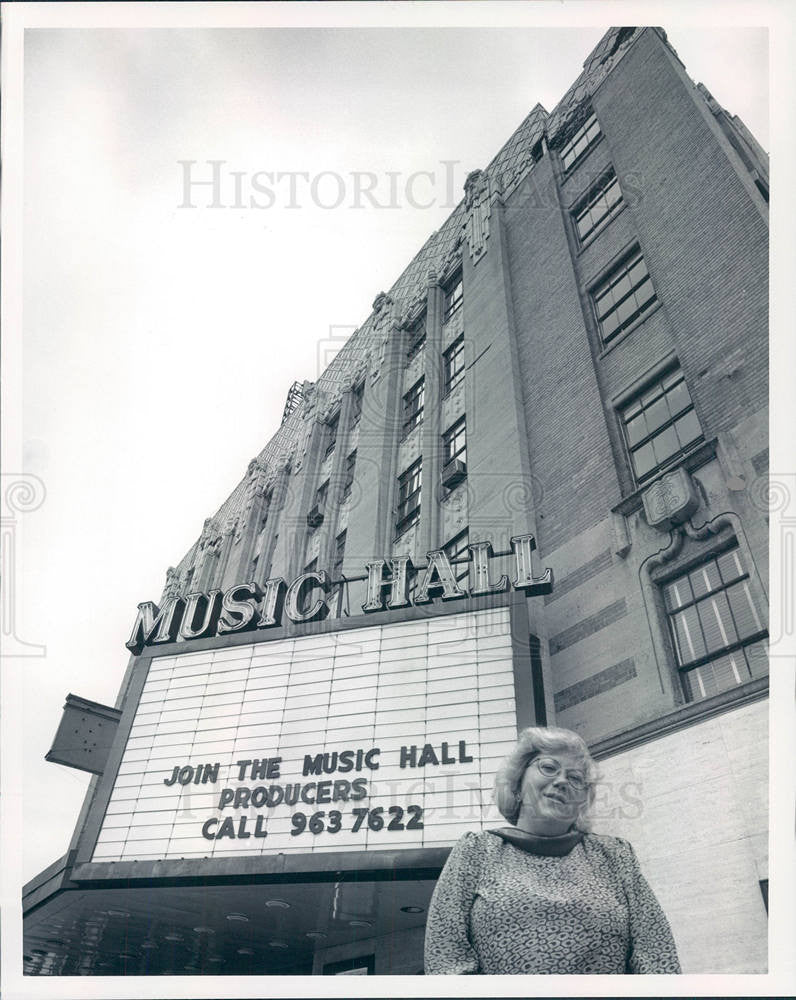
[{"x": 233, "y": 923}]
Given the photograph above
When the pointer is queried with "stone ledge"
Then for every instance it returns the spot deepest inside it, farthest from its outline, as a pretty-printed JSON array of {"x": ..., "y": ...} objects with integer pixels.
[{"x": 687, "y": 715}]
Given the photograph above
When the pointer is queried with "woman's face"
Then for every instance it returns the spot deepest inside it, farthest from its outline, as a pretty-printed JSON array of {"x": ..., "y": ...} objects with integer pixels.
[{"x": 553, "y": 789}]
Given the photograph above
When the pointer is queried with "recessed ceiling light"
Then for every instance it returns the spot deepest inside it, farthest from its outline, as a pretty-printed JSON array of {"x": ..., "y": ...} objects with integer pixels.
[
  {"x": 241, "y": 917},
  {"x": 127, "y": 954},
  {"x": 412, "y": 909},
  {"x": 245, "y": 951},
  {"x": 204, "y": 930},
  {"x": 359, "y": 923},
  {"x": 172, "y": 937},
  {"x": 315, "y": 934},
  {"x": 277, "y": 944},
  {"x": 279, "y": 903},
  {"x": 215, "y": 958},
  {"x": 118, "y": 913},
  {"x": 148, "y": 945}
]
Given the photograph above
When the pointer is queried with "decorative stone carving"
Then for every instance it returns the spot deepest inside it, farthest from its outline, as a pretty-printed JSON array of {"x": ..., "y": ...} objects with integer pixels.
[
  {"x": 417, "y": 303},
  {"x": 356, "y": 375},
  {"x": 453, "y": 256},
  {"x": 478, "y": 206},
  {"x": 670, "y": 500},
  {"x": 309, "y": 399},
  {"x": 211, "y": 532},
  {"x": 173, "y": 584},
  {"x": 382, "y": 304}
]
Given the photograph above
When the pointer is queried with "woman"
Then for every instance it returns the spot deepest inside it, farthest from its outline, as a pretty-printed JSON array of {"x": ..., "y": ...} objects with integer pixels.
[{"x": 544, "y": 895}]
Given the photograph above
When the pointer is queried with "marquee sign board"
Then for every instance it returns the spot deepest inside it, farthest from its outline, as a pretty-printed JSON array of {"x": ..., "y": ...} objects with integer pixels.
[
  {"x": 382, "y": 736},
  {"x": 247, "y": 606}
]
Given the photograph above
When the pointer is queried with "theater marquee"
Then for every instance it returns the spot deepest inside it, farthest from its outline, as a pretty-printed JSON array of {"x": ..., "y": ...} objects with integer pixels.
[{"x": 362, "y": 738}]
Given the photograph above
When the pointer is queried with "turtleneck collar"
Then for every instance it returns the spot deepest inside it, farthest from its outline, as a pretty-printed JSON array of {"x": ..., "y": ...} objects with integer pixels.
[{"x": 547, "y": 846}]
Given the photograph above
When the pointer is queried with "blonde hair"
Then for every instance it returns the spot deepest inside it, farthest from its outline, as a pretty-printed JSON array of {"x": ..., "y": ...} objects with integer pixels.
[{"x": 532, "y": 742}]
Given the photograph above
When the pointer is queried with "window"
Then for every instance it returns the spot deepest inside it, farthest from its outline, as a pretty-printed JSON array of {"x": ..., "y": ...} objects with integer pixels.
[
  {"x": 583, "y": 139},
  {"x": 600, "y": 203},
  {"x": 453, "y": 366},
  {"x": 623, "y": 296},
  {"x": 408, "y": 509},
  {"x": 348, "y": 482},
  {"x": 454, "y": 444},
  {"x": 660, "y": 425},
  {"x": 312, "y": 566},
  {"x": 321, "y": 495},
  {"x": 413, "y": 407},
  {"x": 715, "y": 626},
  {"x": 417, "y": 338},
  {"x": 332, "y": 436},
  {"x": 258, "y": 545},
  {"x": 453, "y": 299},
  {"x": 356, "y": 403},
  {"x": 339, "y": 551},
  {"x": 456, "y": 550}
]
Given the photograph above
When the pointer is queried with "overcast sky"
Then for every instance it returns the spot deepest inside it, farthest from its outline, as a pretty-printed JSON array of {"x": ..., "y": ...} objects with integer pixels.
[{"x": 160, "y": 340}]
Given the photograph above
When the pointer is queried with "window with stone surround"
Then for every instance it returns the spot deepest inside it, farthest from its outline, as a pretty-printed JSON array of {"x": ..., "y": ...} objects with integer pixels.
[
  {"x": 417, "y": 339},
  {"x": 576, "y": 147},
  {"x": 623, "y": 297},
  {"x": 453, "y": 366},
  {"x": 604, "y": 198},
  {"x": 453, "y": 297},
  {"x": 454, "y": 442},
  {"x": 716, "y": 631},
  {"x": 357, "y": 394},
  {"x": 321, "y": 496},
  {"x": 660, "y": 425},
  {"x": 348, "y": 482},
  {"x": 339, "y": 552},
  {"x": 413, "y": 407},
  {"x": 408, "y": 507},
  {"x": 331, "y": 436}
]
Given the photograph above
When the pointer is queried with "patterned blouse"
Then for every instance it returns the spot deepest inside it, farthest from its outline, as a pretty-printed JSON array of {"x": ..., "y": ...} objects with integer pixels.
[{"x": 501, "y": 907}]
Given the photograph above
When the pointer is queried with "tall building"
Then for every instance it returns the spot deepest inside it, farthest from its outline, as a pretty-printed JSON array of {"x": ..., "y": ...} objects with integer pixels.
[{"x": 529, "y": 489}]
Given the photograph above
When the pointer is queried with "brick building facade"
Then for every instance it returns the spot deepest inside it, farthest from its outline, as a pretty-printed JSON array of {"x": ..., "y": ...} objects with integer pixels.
[{"x": 579, "y": 354}]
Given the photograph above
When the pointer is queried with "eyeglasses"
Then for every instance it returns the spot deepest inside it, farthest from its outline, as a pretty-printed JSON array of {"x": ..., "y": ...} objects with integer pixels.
[{"x": 551, "y": 768}]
